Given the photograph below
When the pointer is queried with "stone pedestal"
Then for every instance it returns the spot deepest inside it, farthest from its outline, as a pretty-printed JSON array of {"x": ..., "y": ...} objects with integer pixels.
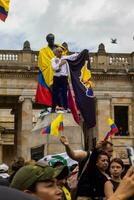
[{"x": 52, "y": 143}]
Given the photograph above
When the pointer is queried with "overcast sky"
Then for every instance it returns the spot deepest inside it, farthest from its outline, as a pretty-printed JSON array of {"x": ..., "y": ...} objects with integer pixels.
[{"x": 81, "y": 23}]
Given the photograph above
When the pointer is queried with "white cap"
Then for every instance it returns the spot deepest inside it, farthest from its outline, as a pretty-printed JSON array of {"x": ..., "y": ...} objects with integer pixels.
[{"x": 3, "y": 168}]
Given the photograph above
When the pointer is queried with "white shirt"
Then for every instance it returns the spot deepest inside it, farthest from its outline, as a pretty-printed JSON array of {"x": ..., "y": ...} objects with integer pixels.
[{"x": 64, "y": 69}]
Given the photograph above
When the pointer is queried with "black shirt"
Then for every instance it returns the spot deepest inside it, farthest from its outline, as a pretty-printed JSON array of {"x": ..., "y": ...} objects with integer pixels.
[{"x": 91, "y": 183}]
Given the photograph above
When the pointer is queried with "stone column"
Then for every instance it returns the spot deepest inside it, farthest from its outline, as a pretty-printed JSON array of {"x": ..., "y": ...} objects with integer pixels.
[
  {"x": 1, "y": 153},
  {"x": 103, "y": 113},
  {"x": 133, "y": 116},
  {"x": 24, "y": 126}
]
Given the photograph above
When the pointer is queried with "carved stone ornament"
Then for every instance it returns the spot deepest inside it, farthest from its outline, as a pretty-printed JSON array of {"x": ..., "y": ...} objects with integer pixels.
[{"x": 22, "y": 98}]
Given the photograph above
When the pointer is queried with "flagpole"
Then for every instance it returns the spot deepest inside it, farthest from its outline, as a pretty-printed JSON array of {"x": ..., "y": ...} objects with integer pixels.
[{"x": 89, "y": 137}]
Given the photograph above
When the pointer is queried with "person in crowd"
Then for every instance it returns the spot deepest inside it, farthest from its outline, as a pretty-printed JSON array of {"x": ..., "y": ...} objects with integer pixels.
[
  {"x": 16, "y": 165},
  {"x": 4, "y": 176},
  {"x": 4, "y": 181},
  {"x": 72, "y": 180},
  {"x": 62, "y": 177},
  {"x": 93, "y": 183},
  {"x": 116, "y": 168},
  {"x": 39, "y": 180},
  {"x": 7, "y": 193},
  {"x": 125, "y": 189},
  {"x": 4, "y": 170},
  {"x": 84, "y": 158},
  {"x": 60, "y": 79}
]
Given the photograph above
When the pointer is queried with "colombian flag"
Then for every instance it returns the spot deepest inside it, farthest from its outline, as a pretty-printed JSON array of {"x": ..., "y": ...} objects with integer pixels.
[
  {"x": 43, "y": 93},
  {"x": 45, "y": 80},
  {"x": 73, "y": 107},
  {"x": 4, "y": 8},
  {"x": 113, "y": 129},
  {"x": 55, "y": 126}
]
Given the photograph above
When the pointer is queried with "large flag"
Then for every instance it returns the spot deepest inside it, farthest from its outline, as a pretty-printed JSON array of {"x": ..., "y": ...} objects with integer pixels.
[
  {"x": 55, "y": 127},
  {"x": 113, "y": 129},
  {"x": 43, "y": 93},
  {"x": 82, "y": 86},
  {"x": 4, "y": 8},
  {"x": 72, "y": 106},
  {"x": 44, "y": 96}
]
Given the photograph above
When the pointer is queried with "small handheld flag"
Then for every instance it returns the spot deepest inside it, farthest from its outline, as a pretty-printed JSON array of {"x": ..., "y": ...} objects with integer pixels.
[
  {"x": 55, "y": 127},
  {"x": 113, "y": 129},
  {"x": 4, "y": 8}
]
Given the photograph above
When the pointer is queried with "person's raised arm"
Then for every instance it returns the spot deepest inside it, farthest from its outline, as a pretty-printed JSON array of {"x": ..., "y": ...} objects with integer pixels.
[{"x": 75, "y": 155}]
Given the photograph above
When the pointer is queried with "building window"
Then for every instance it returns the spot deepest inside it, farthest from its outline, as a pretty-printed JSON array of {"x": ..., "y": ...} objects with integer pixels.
[{"x": 121, "y": 120}]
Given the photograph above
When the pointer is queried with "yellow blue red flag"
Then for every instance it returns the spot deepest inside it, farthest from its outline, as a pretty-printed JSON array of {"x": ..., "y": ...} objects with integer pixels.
[
  {"x": 55, "y": 127},
  {"x": 113, "y": 129},
  {"x": 45, "y": 80},
  {"x": 4, "y": 8}
]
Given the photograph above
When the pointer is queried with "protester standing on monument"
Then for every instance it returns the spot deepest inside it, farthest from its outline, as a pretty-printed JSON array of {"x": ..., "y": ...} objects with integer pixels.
[
  {"x": 45, "y": 79},
  {"x": 60, "y": 79}
]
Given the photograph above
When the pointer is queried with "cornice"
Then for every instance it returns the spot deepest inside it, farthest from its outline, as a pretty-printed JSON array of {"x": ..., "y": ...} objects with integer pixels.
[
  {"x": 124, "y": 77},
  {"x": 97, "y": 74},
  {"x": 18, "y": 75}
]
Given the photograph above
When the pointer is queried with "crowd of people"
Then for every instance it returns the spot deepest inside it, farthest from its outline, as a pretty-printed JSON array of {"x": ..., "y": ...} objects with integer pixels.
[{"x": 96, "y": 176}]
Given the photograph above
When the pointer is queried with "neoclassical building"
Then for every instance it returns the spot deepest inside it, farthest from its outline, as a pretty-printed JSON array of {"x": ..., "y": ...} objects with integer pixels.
[{"x": 113, "y": 75}]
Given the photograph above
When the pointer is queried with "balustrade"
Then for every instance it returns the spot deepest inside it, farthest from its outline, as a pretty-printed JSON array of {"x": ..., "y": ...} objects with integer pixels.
[{"x": 110, "y": 60}]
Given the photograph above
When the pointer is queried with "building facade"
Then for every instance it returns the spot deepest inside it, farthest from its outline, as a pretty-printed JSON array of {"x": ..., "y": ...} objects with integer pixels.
[{"x": 113, "y": 75}]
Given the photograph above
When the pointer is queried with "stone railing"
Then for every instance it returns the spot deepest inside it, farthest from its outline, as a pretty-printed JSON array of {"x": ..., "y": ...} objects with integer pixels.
[
  {"x": 112, "y": 60},
  {"x": 99, "y": 60},
  {"x": 18, "y": 58}
]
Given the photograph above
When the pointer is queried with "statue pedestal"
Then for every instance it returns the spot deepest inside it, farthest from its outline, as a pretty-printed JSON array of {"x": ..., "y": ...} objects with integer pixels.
[{"x": 52, "y": 143}]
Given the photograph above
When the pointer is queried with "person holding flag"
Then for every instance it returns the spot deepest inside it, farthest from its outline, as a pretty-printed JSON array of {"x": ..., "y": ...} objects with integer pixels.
[
  {"x": 60, "y": 79},
  {"x": 45, "y": 79},
  {"x": 84, "y": 158}
]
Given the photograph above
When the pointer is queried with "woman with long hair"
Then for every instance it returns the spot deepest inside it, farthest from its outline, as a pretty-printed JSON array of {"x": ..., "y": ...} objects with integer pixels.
[{"x": 116, "y": 168}]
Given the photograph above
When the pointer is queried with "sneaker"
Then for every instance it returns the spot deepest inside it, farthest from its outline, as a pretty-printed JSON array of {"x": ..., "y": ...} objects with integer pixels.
[
  {"x": 67, "y": 110},
  {"x": 59, "y": 111},
  {"x": 49, "y": 109},
  {"x": 42, "y": 114}
]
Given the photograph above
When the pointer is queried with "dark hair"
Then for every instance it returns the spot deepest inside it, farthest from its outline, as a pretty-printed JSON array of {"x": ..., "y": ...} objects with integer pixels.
[
  {"x": 117, "y": 160},
  {"x": 63, "y": 174},
  {"x": 105, "y": 143},
  {"x": 72, "y": 167},
  {"x": 101, "y": 153},
  {"x": 18, "y": 163},
  {"x": 32, "y": 188}
]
